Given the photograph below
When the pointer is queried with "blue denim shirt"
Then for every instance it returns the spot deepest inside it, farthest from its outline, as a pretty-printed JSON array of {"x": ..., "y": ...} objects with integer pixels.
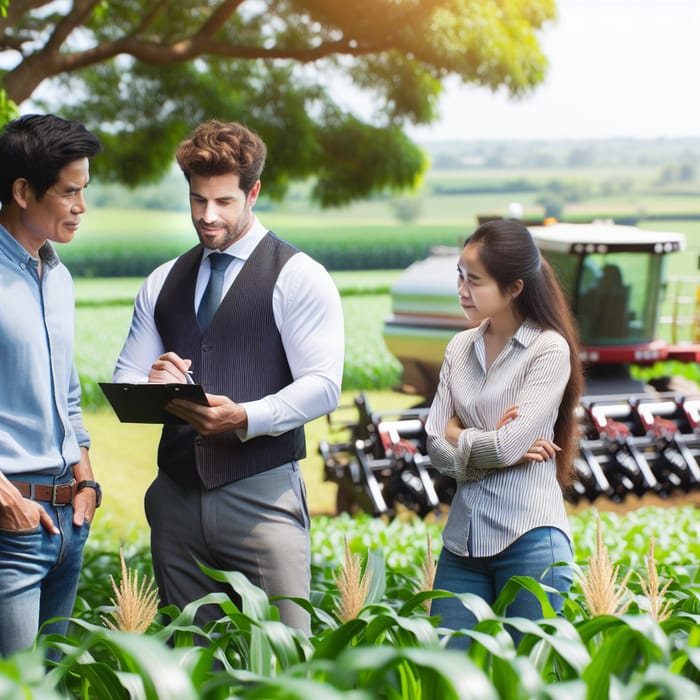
[{"x": 41, "y": 424}]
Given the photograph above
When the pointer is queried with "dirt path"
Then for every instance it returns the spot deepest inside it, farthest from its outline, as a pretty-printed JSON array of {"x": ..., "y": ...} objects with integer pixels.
[{"x": 634, "y": 502}]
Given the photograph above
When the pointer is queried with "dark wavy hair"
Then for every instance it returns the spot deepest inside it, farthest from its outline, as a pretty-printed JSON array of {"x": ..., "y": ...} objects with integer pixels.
[
  {"x": 508, "y": 252},
  {"x": 37, "y": 147},
  {"x": 222, "y": 148}
]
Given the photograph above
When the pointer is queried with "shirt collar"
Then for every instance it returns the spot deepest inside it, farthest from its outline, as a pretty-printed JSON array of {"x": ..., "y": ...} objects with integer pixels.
[
  {"x": 527, "y": 332},
  {"x": 244, "y": 246},
  {"x": 13, "y": 250}
]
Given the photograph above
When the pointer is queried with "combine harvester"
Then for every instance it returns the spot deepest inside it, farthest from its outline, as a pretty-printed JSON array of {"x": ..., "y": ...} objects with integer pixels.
[{"x": 635, "y": 439}]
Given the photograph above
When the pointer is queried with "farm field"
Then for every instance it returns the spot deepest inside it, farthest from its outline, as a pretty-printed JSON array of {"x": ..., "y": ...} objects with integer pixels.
[
  {"x": 104, "y": 312},
  {"x": 644, "y": 644},
  {"x": 445, "y": 220},
  {"x": 448, "y": 204}
]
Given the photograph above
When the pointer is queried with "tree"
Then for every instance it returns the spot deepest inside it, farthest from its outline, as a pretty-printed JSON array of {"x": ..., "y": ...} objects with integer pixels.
[
  {"x": 8, "y": 109},
  {"x": 407, "y": 208},
  {"x": 143, "y": 73},
  {"x": 553, "y": 204}
]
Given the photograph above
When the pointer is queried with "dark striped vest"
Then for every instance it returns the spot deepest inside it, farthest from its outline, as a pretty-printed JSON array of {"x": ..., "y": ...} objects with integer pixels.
[{"x": 240, "y": 355}]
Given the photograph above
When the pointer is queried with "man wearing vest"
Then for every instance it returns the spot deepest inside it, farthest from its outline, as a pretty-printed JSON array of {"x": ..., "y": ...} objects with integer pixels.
[{"x": 259, "y": 325}]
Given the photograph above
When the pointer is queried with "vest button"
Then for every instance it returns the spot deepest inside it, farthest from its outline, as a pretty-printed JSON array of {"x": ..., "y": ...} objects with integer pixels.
[{"x": 199, "y": 441}]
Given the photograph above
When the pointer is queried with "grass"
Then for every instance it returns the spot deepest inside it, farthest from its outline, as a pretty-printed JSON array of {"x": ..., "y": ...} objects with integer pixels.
[{"x": 122, "y": 290}]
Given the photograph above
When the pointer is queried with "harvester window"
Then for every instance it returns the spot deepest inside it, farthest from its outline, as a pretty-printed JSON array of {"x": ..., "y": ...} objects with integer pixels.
[
  {"x": 605, "y": 306},
  {"x": 617, "y": 298}
]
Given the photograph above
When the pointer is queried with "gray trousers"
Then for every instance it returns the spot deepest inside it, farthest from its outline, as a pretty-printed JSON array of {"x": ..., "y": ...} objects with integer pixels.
[{"x": 258, "y": 526}]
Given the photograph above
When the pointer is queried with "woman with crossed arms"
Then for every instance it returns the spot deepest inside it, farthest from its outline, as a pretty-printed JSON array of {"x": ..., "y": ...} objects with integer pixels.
[{"x": 502, "y": 423}]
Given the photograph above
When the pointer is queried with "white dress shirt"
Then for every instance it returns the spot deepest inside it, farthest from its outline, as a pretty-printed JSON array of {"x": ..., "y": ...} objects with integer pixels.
[{"x": 308, "y": 314}]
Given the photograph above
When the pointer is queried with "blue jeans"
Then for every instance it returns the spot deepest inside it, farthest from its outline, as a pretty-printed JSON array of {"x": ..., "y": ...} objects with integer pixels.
[
  {"x": 530, "y": 555},
  {"x": 39, "y": 576}
]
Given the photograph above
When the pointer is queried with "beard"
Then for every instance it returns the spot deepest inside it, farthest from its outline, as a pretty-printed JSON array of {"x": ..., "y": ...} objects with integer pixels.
[{"x": 221, "y": 234}]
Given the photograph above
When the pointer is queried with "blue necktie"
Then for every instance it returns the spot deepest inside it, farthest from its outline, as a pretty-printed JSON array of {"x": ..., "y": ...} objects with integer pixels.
[{"x": 212, "y": 294}]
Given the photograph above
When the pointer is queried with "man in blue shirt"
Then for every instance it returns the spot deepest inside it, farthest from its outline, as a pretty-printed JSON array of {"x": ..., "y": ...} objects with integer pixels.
[{"x": 48, "y": 494}]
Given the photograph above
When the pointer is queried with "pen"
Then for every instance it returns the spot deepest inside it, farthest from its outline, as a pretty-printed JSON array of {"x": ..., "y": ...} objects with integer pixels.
[{"x": 188, "y": 376}]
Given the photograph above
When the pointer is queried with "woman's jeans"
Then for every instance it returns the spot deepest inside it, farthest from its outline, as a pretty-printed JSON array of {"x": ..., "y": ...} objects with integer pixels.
[
  {"x": 39, "y": 578},
  {"x": 531, "y": 555}
]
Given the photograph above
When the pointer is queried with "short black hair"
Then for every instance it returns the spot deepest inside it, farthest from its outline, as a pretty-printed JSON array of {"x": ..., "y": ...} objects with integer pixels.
[{"x": 37, "y": 147}]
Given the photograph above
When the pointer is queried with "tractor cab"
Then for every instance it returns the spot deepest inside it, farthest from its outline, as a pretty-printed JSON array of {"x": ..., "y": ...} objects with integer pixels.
[{"x": 613, "y": 276}]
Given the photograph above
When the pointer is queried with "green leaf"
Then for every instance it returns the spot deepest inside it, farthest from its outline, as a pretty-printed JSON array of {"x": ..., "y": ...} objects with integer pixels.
[
  {"x": 658, "y": 682},
  {"x": 105, "y": 682},
  {"x": 377, "y": 585},
  {"x": 402, "y": 630},
  {"x": 332, "y": 644},
  {"x": 525, "y": 583},
  {"x": 476, "y": 605},
  {"x": 623, "y": 651},
  {"x": 254, "y": 600},
  {"x": 297, "y": 689},
  {"x": 22, "y": 675}
]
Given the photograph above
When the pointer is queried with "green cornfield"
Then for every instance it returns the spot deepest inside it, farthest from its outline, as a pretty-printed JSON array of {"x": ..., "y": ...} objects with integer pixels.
[{"x": 391, "y": 647}]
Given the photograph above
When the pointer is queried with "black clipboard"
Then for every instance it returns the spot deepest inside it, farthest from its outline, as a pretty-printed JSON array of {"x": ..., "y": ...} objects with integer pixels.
[{"x": 144, "y": 403}]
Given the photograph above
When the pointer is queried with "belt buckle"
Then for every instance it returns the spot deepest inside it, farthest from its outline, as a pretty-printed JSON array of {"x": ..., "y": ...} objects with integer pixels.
[{"x": 54, "y": 494}]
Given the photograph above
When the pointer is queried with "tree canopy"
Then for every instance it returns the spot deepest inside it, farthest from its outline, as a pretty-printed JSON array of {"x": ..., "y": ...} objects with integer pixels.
[{"x": 143, "y": 73}]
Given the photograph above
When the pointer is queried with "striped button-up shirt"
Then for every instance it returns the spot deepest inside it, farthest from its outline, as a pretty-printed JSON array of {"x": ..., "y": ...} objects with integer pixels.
[{"x": 497, "y": 498}]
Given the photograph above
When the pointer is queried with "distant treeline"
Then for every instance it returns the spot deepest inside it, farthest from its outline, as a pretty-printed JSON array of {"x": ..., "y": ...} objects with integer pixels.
[
  {"x": 383, "y": 248},
  {"x": 114, "y": 260},
  {"x": 510, "y": 187},
  {"x": 547, "y": 154}
]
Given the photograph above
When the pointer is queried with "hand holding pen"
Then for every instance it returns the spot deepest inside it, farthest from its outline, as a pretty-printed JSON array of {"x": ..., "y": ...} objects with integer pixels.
[{"x": 170, "y": 368}]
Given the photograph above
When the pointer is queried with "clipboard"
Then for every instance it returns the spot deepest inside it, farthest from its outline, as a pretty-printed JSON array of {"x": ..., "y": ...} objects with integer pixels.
[{"x": 144, "y": 403}]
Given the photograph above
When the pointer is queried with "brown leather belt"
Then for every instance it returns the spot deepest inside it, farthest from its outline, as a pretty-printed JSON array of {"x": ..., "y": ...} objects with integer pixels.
[{"x": 56, "y": 495}]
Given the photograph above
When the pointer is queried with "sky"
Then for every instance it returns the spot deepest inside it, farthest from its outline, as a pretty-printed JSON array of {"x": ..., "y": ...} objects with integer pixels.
[{"x": 617, "y": 68}]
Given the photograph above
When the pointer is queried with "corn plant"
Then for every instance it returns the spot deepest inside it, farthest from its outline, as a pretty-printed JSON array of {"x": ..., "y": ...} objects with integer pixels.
[{"x": 388, "y": 645}]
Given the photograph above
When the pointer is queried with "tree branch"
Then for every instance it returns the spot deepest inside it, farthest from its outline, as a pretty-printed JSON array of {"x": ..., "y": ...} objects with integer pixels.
[
  {"x": 15, "y": 11},
  {"x": 18, "y": 8},
  {"x": 367, "y": 38},
  {"x": 217, "y": 19},
  {"x": 79, "y": 12},
  {"x": 153, "y": 11}
]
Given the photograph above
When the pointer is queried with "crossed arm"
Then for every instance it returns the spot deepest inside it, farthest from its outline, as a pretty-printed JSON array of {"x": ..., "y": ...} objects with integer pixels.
[
  {"x": 535, "y": 380},
  {"x": 540, "y": 450}
]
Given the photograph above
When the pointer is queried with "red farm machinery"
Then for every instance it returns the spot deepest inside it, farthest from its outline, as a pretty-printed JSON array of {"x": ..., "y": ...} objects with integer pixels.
[{"x": 636, "y": 438}]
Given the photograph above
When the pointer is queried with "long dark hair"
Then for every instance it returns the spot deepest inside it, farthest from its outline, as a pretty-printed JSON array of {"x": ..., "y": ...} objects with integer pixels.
[{"x": 508, "y": 252}]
